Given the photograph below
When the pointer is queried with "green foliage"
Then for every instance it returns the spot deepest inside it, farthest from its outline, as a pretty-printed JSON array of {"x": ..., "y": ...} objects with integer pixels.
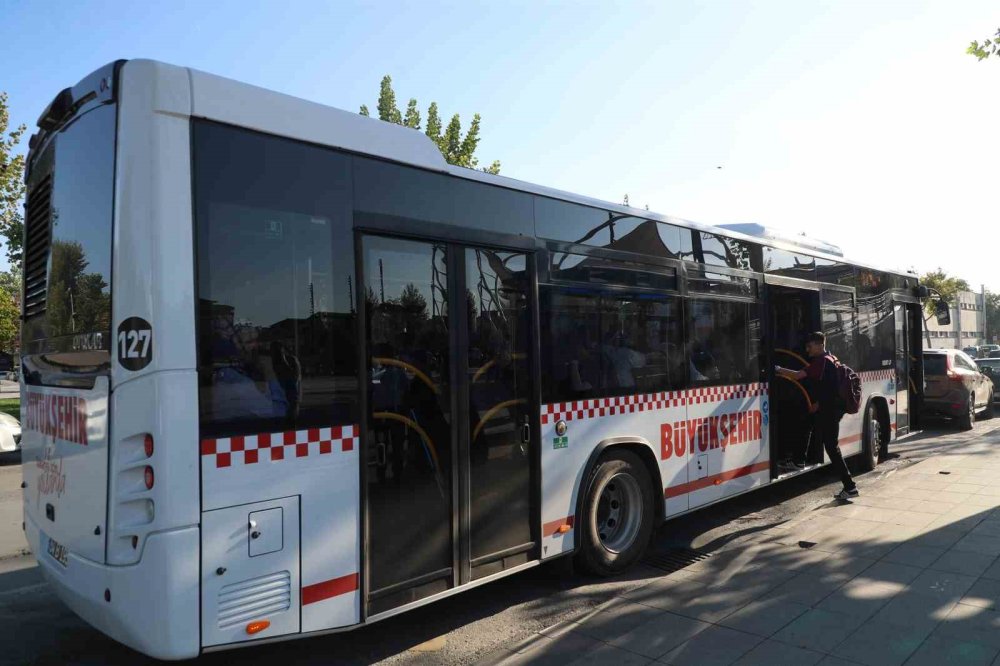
[
  {"x": 947, "y": 285},
  {"x": 76, "y": 301},
  {"x": 364, "y": 111},
  {"x": 457, "y": 149},
  {"x": 10, "y": 330},
  {"x": 11, "y": 184},
  {"x": 992, "y": 316},
  {"x": 412, "y": 118},
  {"x": 12, "y": 406},
  {"x": 990, "y": 46}
]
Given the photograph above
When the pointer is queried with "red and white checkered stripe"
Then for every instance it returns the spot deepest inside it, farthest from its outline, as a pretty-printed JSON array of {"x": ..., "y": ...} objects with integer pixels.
[
  {"x": 272, "y": 447},
  {"x": 878, "y": 375},
  {"x": 629, "y": 404}
]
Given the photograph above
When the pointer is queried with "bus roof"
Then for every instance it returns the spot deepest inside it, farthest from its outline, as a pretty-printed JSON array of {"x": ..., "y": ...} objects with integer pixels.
[{"x": 245, "y": 105}]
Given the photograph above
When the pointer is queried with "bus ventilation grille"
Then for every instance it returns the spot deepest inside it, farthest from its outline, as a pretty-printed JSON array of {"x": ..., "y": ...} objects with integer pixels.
[
  {"x": 37, "y": 239},
  {"x": 675, "y": 559},
  {"x": 253, "y": 599}
]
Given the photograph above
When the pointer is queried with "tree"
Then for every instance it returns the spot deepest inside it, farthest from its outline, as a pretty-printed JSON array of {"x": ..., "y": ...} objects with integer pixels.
[
  {"x": 992, "y": 316},
  {"x": 11, "y": 184},
  {"x": 989, "y": 47},
  {"x": 945, "y": 285},
  {"x": 456, "y": 149},
  {"x": 10, "y": 331}
]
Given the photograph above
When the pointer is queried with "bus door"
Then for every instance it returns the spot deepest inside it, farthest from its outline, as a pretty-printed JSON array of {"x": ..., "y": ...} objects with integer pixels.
[
  {"x": 793, "y": 313},
  {"x": 904, "y": 382},
  {"x": 914, "y": 327},
  {"x": 452, "y": 417}
]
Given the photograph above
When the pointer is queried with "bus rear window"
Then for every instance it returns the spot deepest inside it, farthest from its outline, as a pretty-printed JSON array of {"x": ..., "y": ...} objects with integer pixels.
[{"x": 935, "y": 364}]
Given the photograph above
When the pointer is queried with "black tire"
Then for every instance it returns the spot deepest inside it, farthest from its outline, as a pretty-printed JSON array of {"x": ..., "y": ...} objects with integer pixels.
[
  {"x": 872, "y": 430},
  {"x": 989, "y": 413},
  {"x": 618, "y": 514},
  {"x": 968, "y": 420}
]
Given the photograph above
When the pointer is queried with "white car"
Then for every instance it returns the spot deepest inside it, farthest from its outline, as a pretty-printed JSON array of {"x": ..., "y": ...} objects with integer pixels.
[{"x": 10, "y": 433}]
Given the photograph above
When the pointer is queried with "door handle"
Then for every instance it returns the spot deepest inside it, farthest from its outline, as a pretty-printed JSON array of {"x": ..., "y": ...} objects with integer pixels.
[{"x": 526, "y": 432}]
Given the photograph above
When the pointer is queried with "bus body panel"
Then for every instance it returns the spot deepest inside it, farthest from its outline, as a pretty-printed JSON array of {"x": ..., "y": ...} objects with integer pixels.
[
  {"x": 64, "y": 441},
  {"x": 320, "y": 466},
  {"x": 153, "y": 605},
  {"x": 709, "y": 443}
]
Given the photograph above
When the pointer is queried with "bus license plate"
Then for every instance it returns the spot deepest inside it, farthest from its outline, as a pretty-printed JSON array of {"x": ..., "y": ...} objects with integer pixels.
[{"x": 58, "y": 552}]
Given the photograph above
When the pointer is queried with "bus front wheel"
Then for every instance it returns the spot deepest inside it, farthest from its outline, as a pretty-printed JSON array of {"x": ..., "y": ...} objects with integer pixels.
[{"x": 618, "y": 514}]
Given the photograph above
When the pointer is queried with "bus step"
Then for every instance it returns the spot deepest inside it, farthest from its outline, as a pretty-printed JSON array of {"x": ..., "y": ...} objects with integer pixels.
[{"x": 675, "y": 559}]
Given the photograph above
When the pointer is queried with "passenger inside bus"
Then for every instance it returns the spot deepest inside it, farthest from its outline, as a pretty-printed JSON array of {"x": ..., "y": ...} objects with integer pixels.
[{"x": 246, "y": 381}]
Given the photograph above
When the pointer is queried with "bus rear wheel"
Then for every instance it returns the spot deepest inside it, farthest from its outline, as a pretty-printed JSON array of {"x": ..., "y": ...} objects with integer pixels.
[
  {"x": 873, "y": 444},
  {"x": 618, "y": 514}
]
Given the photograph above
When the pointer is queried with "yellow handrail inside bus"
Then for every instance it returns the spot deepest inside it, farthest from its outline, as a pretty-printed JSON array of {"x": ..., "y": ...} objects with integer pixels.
[
  {"x": 913, "y": 385},
  {"x": 492, "y": 411},
  {"x": 489, "y": 364},
  {"x": 382, "y": 360},
  {"x": 793, "y": 355},
  {"x": 805, "y": 393},
  {"x": 410, "y": 423}
]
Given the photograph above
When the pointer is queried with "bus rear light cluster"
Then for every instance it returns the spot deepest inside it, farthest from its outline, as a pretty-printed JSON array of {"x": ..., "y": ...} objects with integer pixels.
[
  {"x": 147, "y": 476},
  {"x": 147, "y": 445}
]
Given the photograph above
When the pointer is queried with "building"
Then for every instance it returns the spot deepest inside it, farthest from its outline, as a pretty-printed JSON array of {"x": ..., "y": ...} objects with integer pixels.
[{"x": 967, "y": 328}]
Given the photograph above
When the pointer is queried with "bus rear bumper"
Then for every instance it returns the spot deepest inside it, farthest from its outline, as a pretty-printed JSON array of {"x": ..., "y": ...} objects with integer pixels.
[{"x": 153, "y": 605}]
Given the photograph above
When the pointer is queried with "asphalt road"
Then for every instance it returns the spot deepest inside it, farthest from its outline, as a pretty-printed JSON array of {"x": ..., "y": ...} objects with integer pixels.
[{"x": 38, "y": 629}]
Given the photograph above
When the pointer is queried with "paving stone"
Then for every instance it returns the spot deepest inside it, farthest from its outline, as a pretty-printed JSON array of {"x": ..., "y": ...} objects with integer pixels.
[
  {"x": 979, "y": 543},
  {"x": 715, "y": 646},
  {"x": 890, "y": 572},
  {"x": 544, "y": 651},
  {"x": 765, "y": 617},
  {"x": 914, "y": 555},
  {"x": 937, "y": 650},
  {"x": 860, "y": 598},
  {"x": 941, "y": 537},
  {"x": 770, "y": 653},
  {"x": 808, "y": 589},
  {"x": 984, "y": 593},
  {"x": 608, "y": 655},
  {"x": 881, "y": 644},
  {"x": 940, "y": 584},
  {"x": 994, "y": 571},
  {"x": 963, "y": 562},
  {"x": 619, "y": 617},
  {"x": 972, "y": 623},
  {"x": 915, "y": 610},
  {"x": 819, "y": 629},
  {"x": 660, "y": 635}
]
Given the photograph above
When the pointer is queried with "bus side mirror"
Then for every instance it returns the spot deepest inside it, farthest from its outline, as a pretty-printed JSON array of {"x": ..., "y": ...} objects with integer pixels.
[
  {"x": 923, "y": 292},
  {"x": 943, "y": 313}
]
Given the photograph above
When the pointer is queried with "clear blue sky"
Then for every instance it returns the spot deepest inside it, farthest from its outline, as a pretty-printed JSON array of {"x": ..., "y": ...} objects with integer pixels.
[{"x": 862, "y": 123}]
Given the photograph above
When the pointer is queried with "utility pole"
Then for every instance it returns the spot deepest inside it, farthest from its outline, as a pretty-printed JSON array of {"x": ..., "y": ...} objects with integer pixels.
[{"x": 986, "y": 316}]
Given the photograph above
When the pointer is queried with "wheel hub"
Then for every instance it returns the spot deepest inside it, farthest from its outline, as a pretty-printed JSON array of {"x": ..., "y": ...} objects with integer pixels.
[{"x": 619, "y": 512}]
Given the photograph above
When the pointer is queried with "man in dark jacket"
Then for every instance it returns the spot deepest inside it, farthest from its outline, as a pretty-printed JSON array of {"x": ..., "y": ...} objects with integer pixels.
[{"x": 828, "y": 408}]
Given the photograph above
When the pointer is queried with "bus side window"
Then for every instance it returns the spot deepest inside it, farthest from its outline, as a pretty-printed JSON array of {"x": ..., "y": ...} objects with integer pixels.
[{"x": 723, "y": 345}]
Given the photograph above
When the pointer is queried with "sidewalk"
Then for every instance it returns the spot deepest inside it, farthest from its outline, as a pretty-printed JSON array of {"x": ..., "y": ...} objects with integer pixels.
[{"x": 907, "y": 573}]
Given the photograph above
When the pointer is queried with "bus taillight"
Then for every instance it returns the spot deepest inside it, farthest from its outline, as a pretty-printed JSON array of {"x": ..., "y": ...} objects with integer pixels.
[
  {"x": 147, "y": 445},
  {"x": 148, "y": 475}
]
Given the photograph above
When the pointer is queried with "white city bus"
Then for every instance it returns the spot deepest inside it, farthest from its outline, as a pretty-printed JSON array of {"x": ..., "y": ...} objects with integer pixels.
[{"x": 287, "y": 372}]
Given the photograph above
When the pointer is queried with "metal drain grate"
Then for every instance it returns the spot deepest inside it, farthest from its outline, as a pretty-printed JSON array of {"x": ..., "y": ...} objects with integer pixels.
[{"x": 675, "y": 559}]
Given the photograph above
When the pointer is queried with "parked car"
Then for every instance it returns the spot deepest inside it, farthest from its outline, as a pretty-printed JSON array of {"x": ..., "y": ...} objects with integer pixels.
[
  {"x": 10, "y": 433},
  {"x": 973, "y": 352},
  {"x": 988, "y": 351},
  {"x": 991, "y": 368},
  {"x": 955, "y": 387}
]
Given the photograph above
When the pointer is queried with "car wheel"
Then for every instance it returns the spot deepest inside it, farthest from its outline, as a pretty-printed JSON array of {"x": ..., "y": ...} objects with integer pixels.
[
  {"x": 988, "y": 412},
  {"x": 872, "y": 450},
  {"x": 967, "y": 420},
  {"x": 618, "y": 514}
]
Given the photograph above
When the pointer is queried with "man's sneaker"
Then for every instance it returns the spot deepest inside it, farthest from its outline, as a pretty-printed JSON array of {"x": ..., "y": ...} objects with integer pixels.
[{"x": 846, "y": 494}]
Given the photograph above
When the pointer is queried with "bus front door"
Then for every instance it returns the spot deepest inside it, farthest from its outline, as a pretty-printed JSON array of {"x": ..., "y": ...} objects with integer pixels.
[
  {"x": 451, "y": 417},
  {"x": 793, "y": 314},
  {"x": 903, "y": 379}
]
